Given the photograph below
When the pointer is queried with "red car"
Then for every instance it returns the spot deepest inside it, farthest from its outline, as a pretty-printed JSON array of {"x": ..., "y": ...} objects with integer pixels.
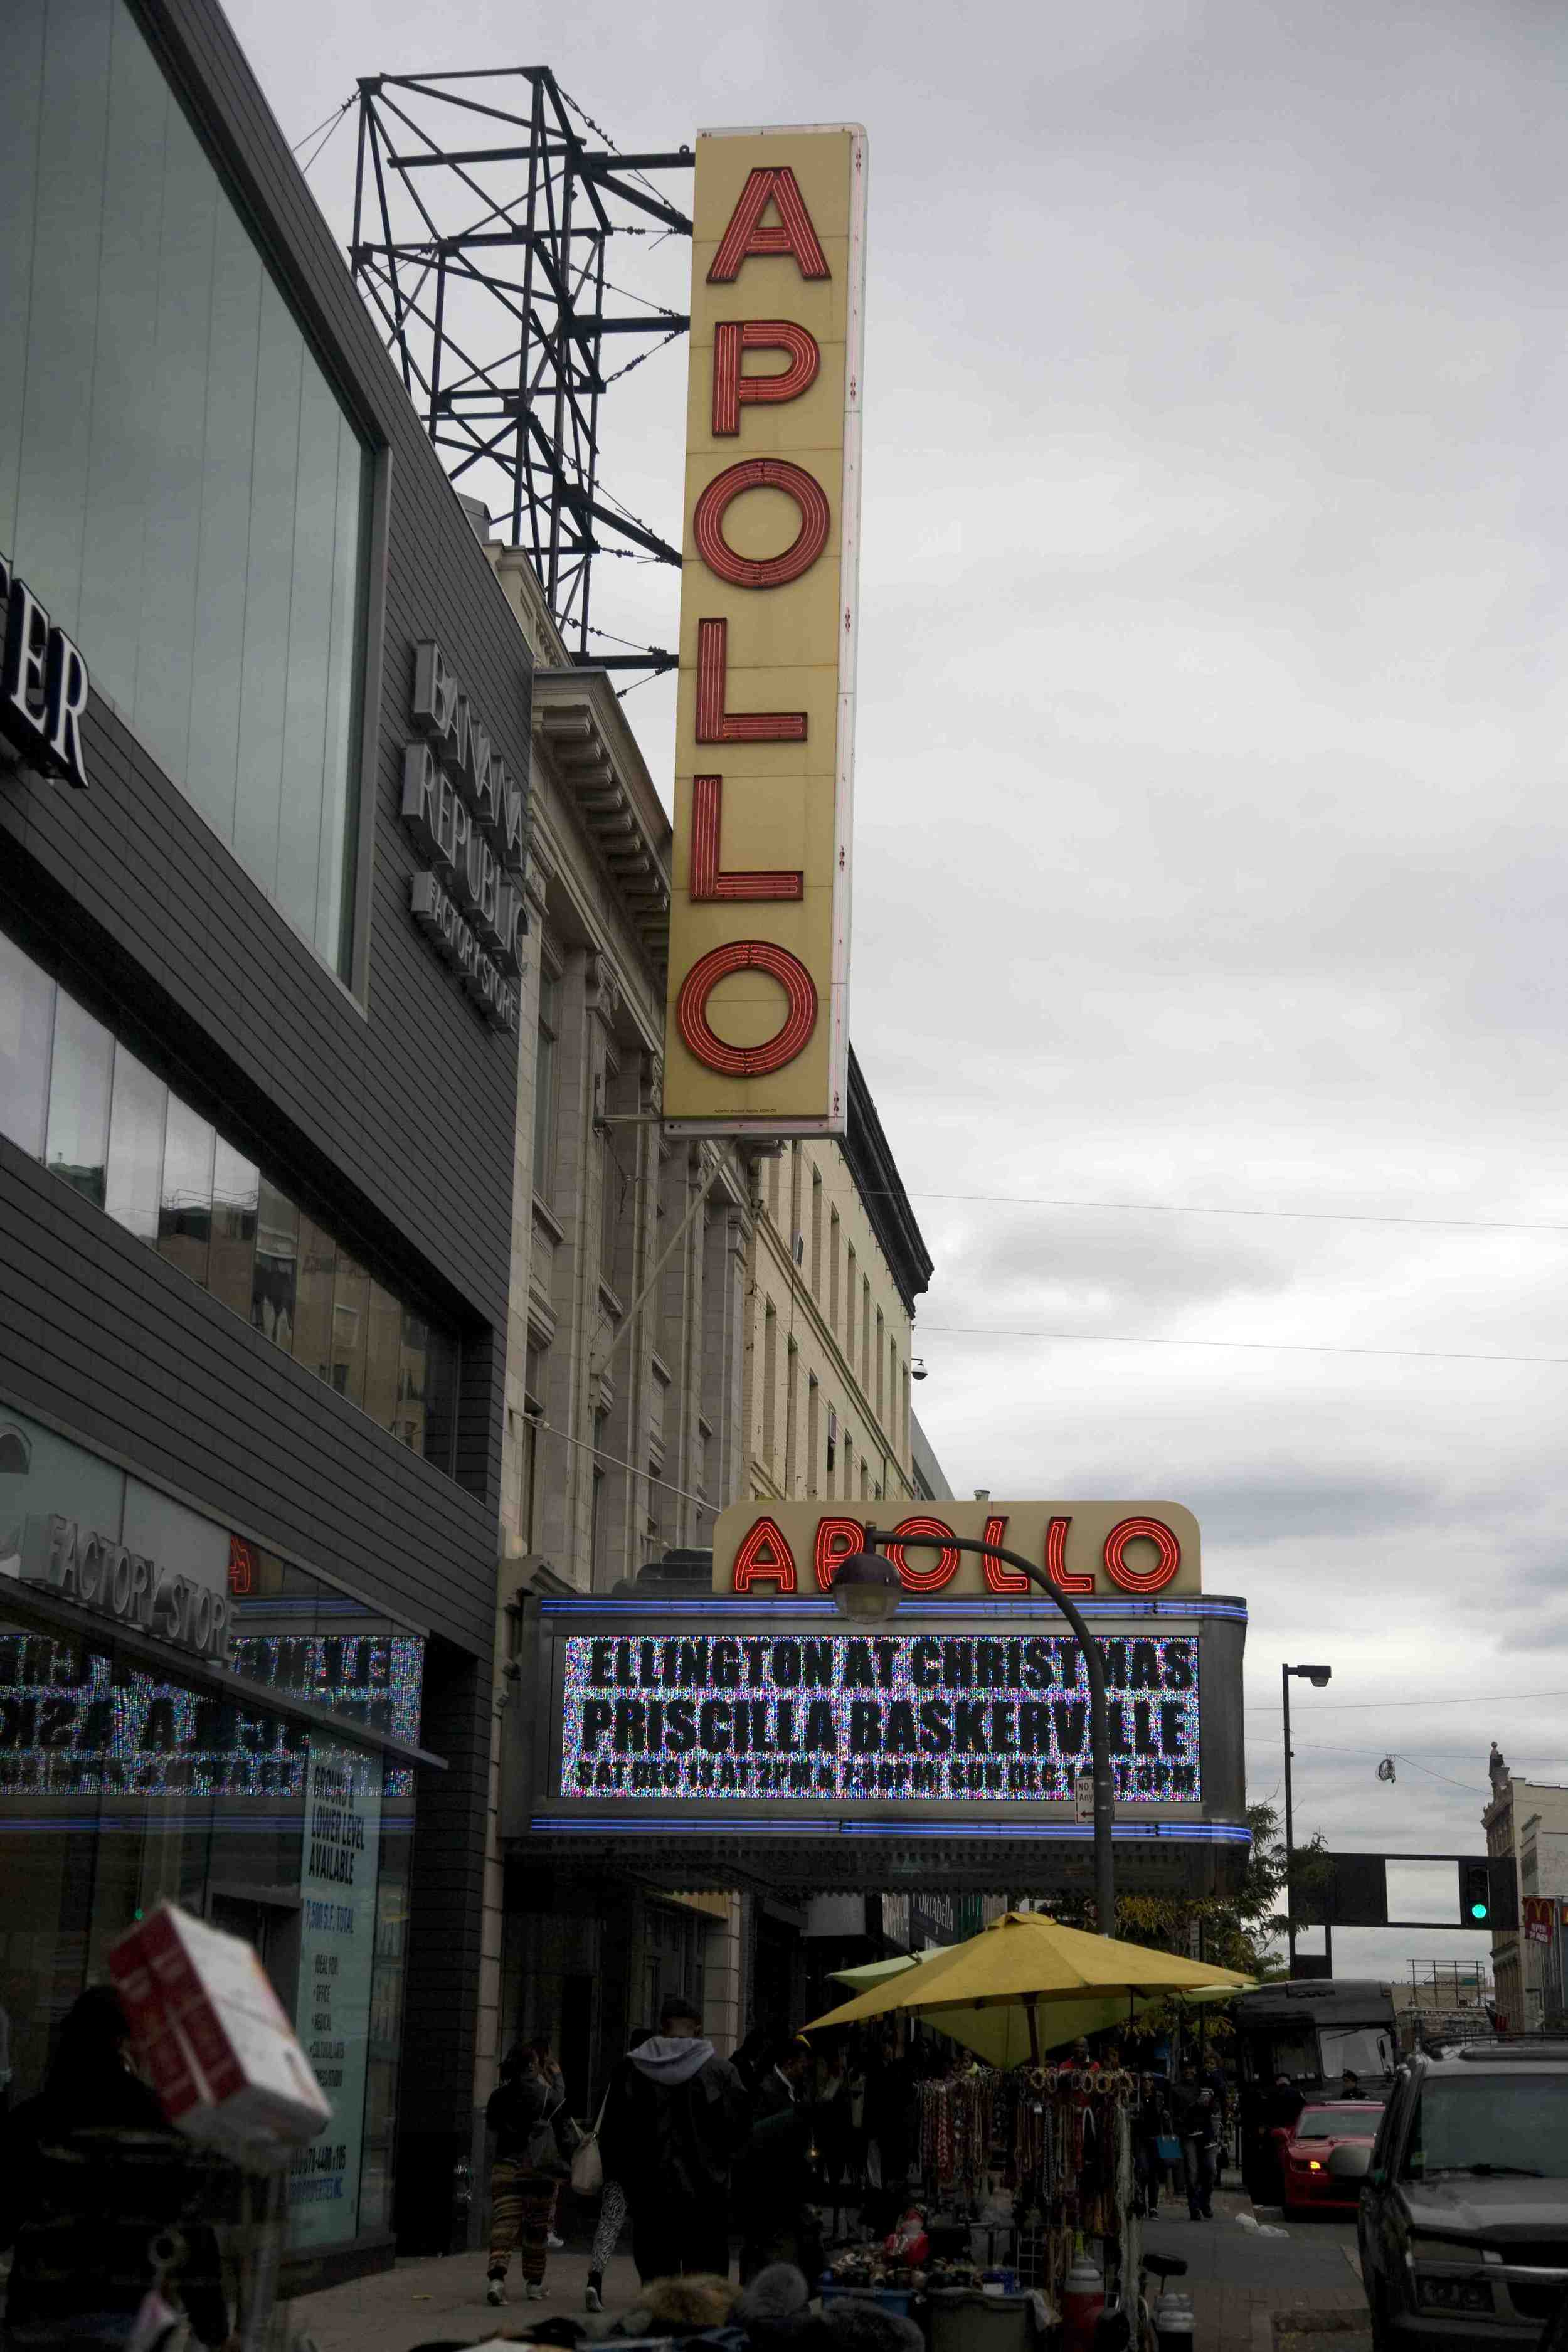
[{"x": 1306, "y": 2147}]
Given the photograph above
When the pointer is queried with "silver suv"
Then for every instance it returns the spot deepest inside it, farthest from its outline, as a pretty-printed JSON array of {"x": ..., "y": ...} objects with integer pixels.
[{"x": 1463, "y": 2220}]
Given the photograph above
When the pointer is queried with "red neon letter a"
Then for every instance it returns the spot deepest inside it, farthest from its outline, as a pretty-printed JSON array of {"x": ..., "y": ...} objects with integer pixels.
[
  {"x": 764, "y": 1558},
  {"x": 792, "y": 233}
]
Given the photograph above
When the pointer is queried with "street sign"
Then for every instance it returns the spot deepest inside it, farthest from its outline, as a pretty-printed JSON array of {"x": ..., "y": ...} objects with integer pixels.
[{"x": 1083, "y": 1797}]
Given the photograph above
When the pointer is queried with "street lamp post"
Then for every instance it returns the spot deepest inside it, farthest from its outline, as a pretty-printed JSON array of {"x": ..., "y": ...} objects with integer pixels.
[
  {"x": 1317, "y": 1676},
  {"x": 868, "y": 1589}
]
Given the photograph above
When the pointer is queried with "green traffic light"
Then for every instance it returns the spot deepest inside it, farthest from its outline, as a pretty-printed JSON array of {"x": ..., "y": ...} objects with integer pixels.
[{"x": 1477, "y": 1910}]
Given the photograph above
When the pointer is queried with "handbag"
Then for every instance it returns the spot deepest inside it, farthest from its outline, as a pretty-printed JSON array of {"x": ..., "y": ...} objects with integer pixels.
[
  {"x": 1168, "y": 2148},
  {"x": 587, "y": 2164}
]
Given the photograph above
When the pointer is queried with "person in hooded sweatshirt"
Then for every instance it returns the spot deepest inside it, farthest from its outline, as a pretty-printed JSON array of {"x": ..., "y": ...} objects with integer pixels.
[{"x": 674, "y": 2117}]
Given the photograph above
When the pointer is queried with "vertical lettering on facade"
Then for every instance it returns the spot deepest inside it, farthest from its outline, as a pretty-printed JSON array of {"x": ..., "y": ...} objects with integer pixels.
[
  {"x": 465, "y": 814},
  {"x": 759, "y": 926}
]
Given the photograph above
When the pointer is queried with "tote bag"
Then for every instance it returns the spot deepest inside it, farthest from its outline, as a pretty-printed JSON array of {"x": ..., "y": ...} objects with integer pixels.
[{"x": 587, "y": 2164}]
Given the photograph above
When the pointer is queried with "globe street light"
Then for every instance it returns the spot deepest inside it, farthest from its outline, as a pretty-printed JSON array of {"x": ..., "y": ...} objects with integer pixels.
[
  {"x": 1317, "y": 1677},
  {"x": 868, "y": 1589}
]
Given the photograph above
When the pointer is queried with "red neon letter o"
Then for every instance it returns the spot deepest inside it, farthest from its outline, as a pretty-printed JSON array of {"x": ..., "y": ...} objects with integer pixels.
[
  {"x": 746, "y": 1060},
  {"x": 1147, "y": 1579},
  {"x": 923, "y": 1579},
  {"x": 764, "y": 572}
]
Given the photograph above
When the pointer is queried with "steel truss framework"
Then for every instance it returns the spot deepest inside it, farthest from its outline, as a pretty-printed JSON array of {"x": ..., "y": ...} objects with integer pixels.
[{"x": 484, "y": 263}]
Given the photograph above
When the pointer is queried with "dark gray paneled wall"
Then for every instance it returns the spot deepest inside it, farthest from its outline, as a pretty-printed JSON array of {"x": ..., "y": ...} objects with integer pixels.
[{"x": 396, "y": 1122}]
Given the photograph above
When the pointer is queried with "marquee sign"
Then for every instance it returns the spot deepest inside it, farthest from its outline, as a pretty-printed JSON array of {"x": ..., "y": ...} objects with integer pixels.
[
  {"x": 977, "y": 1718},
  {"x": 756, "y": 1020},
  {"x": 782, "y": 1551}
]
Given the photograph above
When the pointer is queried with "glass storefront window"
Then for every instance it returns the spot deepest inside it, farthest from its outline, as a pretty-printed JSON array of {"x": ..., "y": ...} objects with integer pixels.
[
  {"x": 186, "y": 1196},
  {"x": 139, "y": 1105},
  {"x": 178, "y": 482},
  {"x": 120, "y": 1787},
  {"x": 313, "y": 1305},
  {"x": 351, "y": 1335},
  {"x": 110, "y": 1127},
  {"x": 120, "y": 1783},
  {"x": 275, "y": 1283},
  {"x": 236, "y": 1190},
  {"x": 80, "y": 1080},
  {"x": 27, "y": 1025}
]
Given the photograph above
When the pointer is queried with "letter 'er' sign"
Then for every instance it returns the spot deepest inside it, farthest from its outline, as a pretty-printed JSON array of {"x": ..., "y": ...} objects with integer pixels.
[{"x": 756, "y": 1023}]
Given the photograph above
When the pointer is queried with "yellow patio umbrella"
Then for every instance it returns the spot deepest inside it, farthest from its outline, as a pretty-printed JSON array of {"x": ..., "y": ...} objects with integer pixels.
[{"x": 1025, "y": 1984}]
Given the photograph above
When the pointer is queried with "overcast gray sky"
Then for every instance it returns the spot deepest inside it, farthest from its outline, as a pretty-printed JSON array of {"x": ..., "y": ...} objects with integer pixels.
[{"x": 1210, "y": 840}]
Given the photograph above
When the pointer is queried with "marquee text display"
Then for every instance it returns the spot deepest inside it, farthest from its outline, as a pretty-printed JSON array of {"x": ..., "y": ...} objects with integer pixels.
[{"x": 923, "y": 1715}]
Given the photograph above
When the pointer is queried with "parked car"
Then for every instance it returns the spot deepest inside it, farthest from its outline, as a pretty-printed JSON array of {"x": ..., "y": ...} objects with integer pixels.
[
  {"x": 1306, "y": 2146},
  {"x": 1463, "y": 2221}
]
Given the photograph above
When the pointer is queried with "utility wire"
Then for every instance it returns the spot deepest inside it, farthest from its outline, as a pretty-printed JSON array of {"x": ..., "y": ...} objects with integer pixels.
[
  {"x": 1190, "y": 1208},
  {"x": 329, "y": 127},
  {"x": 1251, "y": 1347},
  {"x": 1370, "y": 1705}
]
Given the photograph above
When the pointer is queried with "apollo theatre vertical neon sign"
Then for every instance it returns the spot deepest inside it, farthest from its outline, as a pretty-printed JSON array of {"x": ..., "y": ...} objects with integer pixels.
[{"x": 756, "y": 1020}]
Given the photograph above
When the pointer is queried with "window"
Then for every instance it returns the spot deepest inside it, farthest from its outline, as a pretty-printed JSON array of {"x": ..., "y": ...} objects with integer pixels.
[
  {"x": 851, "y": 1293},
  {"x": 834, "y": 1233},
  {"x": 178, "y": 482},
  {"x": 109, "y": 1128},
  {"x": 880, "y": 1382},
  {"x": 186, "y": 1196},
  {"x": 865, "y": 1334},
  {"x": 813, "y": 1434},
  {"x": 139, "y": 1103},
  {"x": 532, "y": 1414},
  {"x": 544, "y": 1086},
  {"x": 816, "y": 1233},
  {"x": 26, "y": 1018},
  {"x": 597, "y": 1516},
  {"x": 770, "y": 1384},
  {"x": 832, "y": 1444},
  {"x": 79, "y": 1079}
]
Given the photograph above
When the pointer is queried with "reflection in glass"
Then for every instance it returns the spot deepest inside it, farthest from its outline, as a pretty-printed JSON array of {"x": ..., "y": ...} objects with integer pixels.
[
  {"x": 135, "y": 1146},
  {"x": 27, "y": 1020},
  {"x": 272, "y": 1289},
  {"x": 441, "y": 1401},
  {"x": 231, "y": 1265},
  {"x": 179, "y": 483},
  {"x": 383, "y": 1358},
  {"x": 411, "y": 1381},
  {"x": 351, "y": 1335},
  {"x": 186, "y": 1202},
  {"x": 78, "y": 1146},
  {"x": 313, "y": 1315}
]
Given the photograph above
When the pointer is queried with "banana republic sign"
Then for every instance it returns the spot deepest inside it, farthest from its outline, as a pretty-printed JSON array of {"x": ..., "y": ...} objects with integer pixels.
[{"x": 467, "y": 815}]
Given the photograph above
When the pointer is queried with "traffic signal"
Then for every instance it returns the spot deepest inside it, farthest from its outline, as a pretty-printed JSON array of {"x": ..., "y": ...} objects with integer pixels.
[{"x": 1475, "y": 1894}]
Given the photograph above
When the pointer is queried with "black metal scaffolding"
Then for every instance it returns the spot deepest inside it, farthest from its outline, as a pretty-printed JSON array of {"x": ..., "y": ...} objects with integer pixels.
[{"x": 486, "y": 264}]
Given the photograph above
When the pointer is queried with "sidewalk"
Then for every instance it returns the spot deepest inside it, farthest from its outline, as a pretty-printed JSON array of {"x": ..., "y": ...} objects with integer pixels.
[
  {"x": 1240, "y": 2283},
  {"x": 442, "y": 2300}
]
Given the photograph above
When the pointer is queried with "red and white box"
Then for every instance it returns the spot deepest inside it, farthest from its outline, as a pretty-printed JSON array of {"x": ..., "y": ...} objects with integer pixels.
[{"x": 218, "y": 2048}]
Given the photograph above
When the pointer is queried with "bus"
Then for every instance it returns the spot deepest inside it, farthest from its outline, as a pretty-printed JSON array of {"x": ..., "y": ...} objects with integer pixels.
[{"x": 1313, "y": 2032}]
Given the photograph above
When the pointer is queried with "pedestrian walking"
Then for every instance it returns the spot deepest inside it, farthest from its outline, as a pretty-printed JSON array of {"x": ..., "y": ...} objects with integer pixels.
[
  {"x": 611, "y": 2203},
  {"x": 94, "y": 2186},
  {"x": 774, "y": 2178},
  {"x": 675, "y": 2119},
  {"x": 1199, "y": 2133},
  {"x": 1151, "y": 2126},
  {"x": 525, "y": 2175}
]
